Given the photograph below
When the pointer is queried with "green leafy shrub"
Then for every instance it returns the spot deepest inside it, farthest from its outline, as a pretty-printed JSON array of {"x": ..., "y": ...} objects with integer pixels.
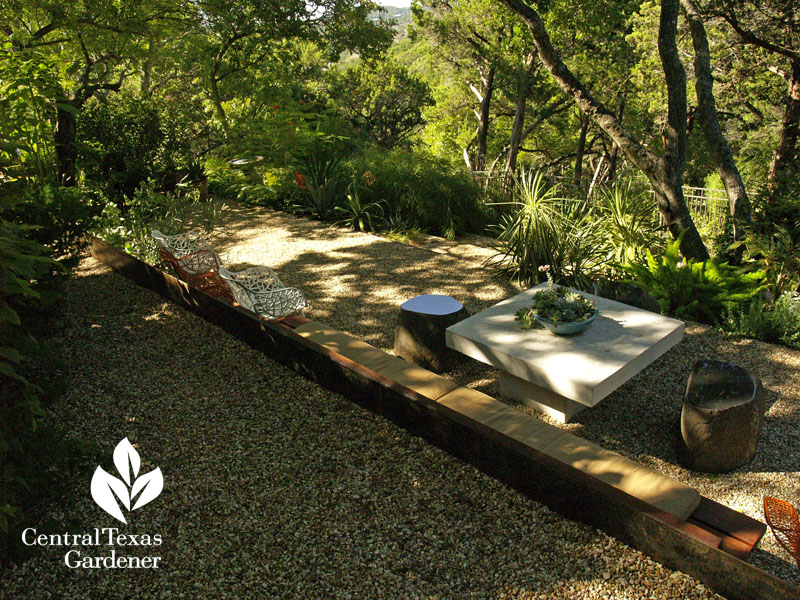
[
  {"x": 697, "y": 291},
  {"x": 28, "y": 82},
  {"x": 62, "y": 216},
  {"x": 224, "y": 178},
  {"x": 424, "y": 191},
  {"x": 777, "y": 322},
  {"x": 777, "y": 256},
  {"x": 150, "y": 209},
  {"x": 382, "y": 98},
  {"x": 24, "y": 262},
  {"x": 249, "y": 181},
  {"x": 119, "y": 144},
  {"x": 779, "y": 204},
  {"x": 33, "y": 457},
  {"x": 267, "y": 136},
  {"x": 546, "y": 233},
  {"x": 127, "y": 139}
]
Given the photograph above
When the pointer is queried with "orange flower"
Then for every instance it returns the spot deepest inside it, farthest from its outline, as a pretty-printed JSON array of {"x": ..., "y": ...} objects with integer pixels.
[
  {"x": 368, "y": 178},
  {"x": 300, "y": 180}
]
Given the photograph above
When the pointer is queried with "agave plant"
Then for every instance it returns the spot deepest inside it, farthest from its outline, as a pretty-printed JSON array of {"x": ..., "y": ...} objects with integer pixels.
[
  {"x": 320, "y": 177},
  {"x": 359, "y": 215}
]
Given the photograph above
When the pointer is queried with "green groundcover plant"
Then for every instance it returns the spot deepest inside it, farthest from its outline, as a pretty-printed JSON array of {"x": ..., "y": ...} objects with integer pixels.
[{"x": 777, "y": 322}]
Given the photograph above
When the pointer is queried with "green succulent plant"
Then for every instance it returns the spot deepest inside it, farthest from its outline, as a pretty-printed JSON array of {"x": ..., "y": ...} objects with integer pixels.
[{"x": 558, "y": 305}]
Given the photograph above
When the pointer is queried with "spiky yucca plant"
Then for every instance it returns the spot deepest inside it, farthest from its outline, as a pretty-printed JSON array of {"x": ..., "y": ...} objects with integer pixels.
[{"x": 545, "y": 229}]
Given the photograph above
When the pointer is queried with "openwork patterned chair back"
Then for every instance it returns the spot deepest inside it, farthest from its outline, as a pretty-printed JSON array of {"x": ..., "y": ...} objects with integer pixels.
[
  {"x": 260, "y": 290},
  {"x": 782, "y": 520},
  {"x": 200, "y": 261}
]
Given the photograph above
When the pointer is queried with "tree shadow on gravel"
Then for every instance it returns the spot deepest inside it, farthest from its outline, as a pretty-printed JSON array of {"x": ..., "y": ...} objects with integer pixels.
[
  {"x": 195, "y": 385},
  {"x": 266, "y": 474},
  {"x": 656, "y": 396},
  {"x": 359, "y": 288}
]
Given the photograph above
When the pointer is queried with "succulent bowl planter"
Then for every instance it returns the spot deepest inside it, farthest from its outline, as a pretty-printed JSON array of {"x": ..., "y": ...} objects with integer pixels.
[
  {"x": 567, "y": 327},
  {"x": 560, "y": 310}
]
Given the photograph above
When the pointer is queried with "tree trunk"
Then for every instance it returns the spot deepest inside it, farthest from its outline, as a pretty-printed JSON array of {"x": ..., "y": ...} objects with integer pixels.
[
  {"x": 483, "y": 119},
  {"x": 65, "y": 144},
  {"x": 786, "y": 153},
  {"x": 147, "y": 70},
  {"x": 665, "y": 174},
  {"x": 612, "y": 165},
  {"x": 581, "y": 149},
  {"x": 738, "y": 201},
  {"x": 519, "y": 113},
  {"x": 670, "y": 191},
  {"x": 216, "y": 100}
]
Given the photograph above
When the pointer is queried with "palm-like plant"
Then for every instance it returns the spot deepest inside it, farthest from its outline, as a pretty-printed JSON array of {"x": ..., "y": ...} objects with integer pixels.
[
  {"x": 629, "y": 224},
  {"x": 545, "y": 232}
]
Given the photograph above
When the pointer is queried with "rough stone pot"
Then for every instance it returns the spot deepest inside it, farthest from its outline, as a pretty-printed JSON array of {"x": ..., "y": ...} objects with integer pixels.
[{"x": 723, "y": 410}]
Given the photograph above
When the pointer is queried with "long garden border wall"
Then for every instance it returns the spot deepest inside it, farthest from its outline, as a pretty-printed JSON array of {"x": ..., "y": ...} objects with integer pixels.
[{"x": 540, "y": 477}]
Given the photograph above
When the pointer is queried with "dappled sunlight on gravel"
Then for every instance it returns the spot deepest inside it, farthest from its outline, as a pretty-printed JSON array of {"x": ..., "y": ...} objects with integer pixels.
[
  {"x": 277, "y": 488},
  {"x": 640, "y": 420}
]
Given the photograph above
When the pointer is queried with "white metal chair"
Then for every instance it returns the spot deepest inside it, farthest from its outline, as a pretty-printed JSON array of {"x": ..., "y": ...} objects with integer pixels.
[
  {"x": 194, "y": 261},
  {"x": 260, "y": 290}
]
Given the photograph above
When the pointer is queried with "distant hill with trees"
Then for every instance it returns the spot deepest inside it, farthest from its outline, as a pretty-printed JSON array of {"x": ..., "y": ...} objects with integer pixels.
[{"x": 401, "y": 15}]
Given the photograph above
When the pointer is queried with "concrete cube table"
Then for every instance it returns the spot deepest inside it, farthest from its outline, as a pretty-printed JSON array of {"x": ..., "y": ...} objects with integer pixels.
[{"x": 561, "y": 375}]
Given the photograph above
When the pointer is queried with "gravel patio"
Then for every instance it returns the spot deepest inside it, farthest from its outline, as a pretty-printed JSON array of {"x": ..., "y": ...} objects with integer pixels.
[{"x": 276, "y": 487}]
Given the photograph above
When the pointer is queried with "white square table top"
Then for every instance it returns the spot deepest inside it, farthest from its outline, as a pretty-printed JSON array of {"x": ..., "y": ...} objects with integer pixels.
[{"x": 585, "y": 367}]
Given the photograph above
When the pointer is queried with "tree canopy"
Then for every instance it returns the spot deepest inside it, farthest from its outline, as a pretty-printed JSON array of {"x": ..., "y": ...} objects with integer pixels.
[{"x": 679, "y": 91}]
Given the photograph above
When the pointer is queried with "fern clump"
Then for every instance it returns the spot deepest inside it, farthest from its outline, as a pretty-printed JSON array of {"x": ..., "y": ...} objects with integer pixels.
[{"x": 692, "y": 290}]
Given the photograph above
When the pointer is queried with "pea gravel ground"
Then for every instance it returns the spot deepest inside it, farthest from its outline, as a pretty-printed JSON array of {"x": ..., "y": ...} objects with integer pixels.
[{"x": 277, "y": 488}]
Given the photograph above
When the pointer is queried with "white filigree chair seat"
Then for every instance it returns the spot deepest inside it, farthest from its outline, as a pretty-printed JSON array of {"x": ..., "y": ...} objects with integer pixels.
[{"x": 260, "y": 290}]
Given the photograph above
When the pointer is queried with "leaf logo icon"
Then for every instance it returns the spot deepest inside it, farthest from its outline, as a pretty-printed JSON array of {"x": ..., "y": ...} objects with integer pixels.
[{"x": 109, "y": 491}]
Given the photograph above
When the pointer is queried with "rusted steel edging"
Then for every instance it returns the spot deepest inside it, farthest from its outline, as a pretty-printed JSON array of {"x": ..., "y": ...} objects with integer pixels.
[{"x": 571, "y": 493}]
